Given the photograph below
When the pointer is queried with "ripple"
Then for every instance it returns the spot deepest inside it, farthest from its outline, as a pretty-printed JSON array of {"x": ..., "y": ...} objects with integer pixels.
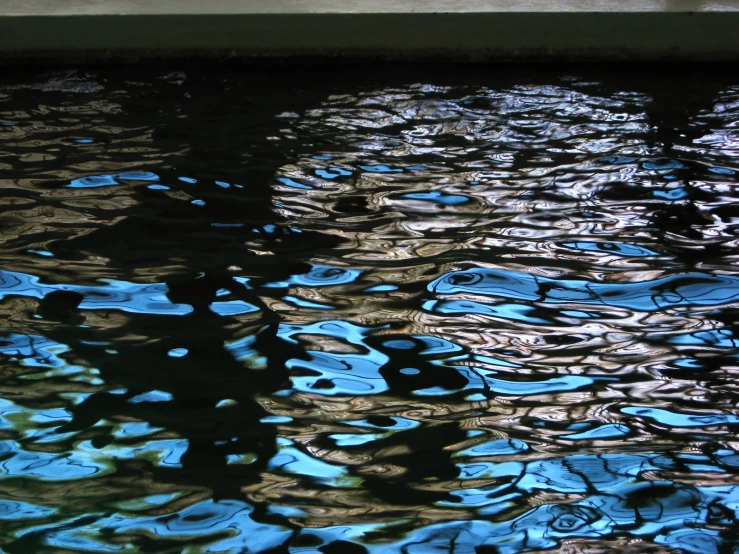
[
  {"x": 689, "y": 289},
  {"x": 394, "y": 310}
]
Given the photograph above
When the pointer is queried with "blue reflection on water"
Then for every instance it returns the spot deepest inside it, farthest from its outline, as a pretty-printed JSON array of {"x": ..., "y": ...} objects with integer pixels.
[
  {"x": 334, "y": 373},
  {"x": 662, "y": 164},
  {"x": 227, "y": 522},
  {"x": 292, "y": 183},
  {"x": 621, "y": 249},
  {"x": 113, "y": 295},
  {"x": 35, "y": 351},
  {"x": 608, "y": 431},
  {"x": 44, "y": 253},
  {"x": 151, "y": 396},
  {"x": 438, "y": 197},
  {"x": 672, "y": 194},
  {"x": 381, "y": 169},
  {"x": 13, "y": 509},
  {"x": 333, "y": 172},
  {"x": 233, "y": 307},
  {"x": 673, "y": 419},
  {"x": 382, "y": 288},
  {"x": 477, "y": 434},
  {"x": 320, "y": 276},
  {"x": 498, "y": 447},
  {"x": 19, "y": 462},
  {"x": 293, "y": 461},
  {"x": 556, "y": 384},
  {"x": 685, "y": 289},
  {"x": 97, "y": 181},
  {"x": 719, "y": 338}
]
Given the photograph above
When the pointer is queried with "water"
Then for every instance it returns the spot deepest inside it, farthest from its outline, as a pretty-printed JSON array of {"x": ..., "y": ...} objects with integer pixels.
[{"x": 387, "y": 310}]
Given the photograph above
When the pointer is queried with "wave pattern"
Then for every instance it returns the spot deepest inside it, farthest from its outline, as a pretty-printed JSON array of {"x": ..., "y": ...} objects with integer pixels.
[{"x": 389, "y": 313}]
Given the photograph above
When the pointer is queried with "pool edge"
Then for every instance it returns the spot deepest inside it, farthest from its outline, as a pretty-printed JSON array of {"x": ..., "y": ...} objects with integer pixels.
[{"x": 464, "y": 37}]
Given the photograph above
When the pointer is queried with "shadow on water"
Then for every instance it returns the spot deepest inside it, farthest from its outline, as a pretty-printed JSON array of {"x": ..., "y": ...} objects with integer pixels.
[{"x": 388, "y": 309}]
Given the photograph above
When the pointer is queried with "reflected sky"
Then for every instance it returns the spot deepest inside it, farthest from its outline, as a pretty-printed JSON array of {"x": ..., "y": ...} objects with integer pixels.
[{"x": 390, "y": 311}]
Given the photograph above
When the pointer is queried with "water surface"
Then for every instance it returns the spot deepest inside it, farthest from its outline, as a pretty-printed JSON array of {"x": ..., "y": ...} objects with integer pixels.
[{"x": 387, "y": 310}]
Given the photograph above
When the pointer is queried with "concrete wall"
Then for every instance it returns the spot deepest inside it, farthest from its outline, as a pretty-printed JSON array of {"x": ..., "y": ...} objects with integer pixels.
[{"x": 405, "y": 29}]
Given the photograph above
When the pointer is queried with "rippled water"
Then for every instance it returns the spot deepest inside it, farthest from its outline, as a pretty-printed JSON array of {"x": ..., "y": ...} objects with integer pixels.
[{"x": 387, "y": 310}]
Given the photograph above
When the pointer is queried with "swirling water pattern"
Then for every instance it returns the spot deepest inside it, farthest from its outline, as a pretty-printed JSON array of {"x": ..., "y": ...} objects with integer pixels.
[{"x": 383, "y": 310}]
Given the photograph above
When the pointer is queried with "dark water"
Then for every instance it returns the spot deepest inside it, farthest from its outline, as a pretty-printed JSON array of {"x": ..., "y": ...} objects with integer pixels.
[{"x": 388, "y": 310}]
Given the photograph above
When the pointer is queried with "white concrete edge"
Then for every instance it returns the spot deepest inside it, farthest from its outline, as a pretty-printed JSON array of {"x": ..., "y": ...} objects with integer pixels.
[{"x": 26, "y": 8}]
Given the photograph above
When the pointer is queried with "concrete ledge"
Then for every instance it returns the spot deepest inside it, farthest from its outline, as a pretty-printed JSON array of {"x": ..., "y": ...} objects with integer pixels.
[{"x": 381, "y": 29}]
